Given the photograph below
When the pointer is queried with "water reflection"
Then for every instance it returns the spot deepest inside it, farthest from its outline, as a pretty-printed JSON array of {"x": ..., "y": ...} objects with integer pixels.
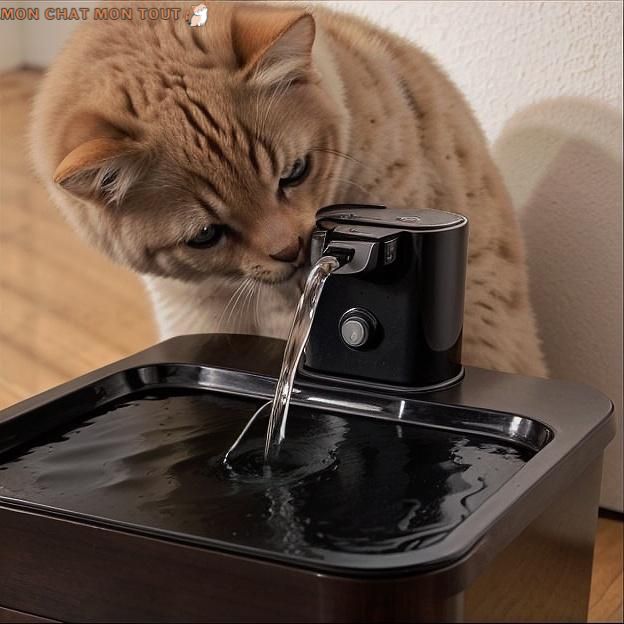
[{"x": 343, "y": 484}]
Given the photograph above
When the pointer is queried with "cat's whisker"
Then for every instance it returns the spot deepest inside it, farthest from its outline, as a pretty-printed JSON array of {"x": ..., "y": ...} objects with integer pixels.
[
  {"x": 229, "y": 307},
  {"x": 351, "y": 182},
  {"x": 259, "y": 292},
  {"x": 245, "y": 308},
  {"x": 214, "y": 297},
  {"x": 219, "y": 287},
  {"x": 235, "y": 314},
  {"x": 239, "y": 306},
  {"x": 253, "y": 303},
  {"x": 224, "y": 311},
  {"x": 242, "y": 309},
  {"x": 340, "y": 154},
  {"x": 228, "y": 325}
]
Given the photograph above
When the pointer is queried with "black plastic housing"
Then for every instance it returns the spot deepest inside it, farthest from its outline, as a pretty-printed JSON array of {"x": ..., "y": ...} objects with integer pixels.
[{"x": 415, "y": 293}]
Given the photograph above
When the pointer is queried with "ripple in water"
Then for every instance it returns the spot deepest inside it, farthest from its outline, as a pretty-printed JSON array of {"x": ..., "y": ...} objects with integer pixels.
[{"x": 343, "y": 484}]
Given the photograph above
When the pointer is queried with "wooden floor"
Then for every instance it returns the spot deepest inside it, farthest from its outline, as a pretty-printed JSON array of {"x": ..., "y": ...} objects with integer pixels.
[{"x": 65, "y": 310}]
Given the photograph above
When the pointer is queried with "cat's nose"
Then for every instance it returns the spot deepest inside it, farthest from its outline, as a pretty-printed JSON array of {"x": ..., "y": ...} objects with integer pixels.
[{"x": 290, "y": 253}]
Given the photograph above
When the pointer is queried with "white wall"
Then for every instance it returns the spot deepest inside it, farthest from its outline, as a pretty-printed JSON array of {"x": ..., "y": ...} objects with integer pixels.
[
  {"x": 11, "y": 53},
  {"x": 43, "y": 39},
  {"x": 34, "y": 42},
  {"x": 506, "y": 56},
  {"x": 545, "y": 79}
]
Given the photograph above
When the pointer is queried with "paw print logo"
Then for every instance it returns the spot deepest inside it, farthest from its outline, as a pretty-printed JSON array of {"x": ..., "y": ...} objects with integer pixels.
[{"x": 199, "y": 17}]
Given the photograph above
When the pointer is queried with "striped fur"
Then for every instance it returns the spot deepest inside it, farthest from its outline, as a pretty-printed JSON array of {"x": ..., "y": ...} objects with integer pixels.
[{"x": 217, "y": 114}]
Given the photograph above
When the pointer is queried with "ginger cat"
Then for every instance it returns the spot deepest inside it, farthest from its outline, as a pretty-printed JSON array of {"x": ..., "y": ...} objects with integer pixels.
[{"x": 199, "y": 157}]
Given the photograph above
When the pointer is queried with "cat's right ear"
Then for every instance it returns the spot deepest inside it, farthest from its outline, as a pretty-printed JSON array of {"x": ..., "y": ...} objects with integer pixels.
[
  {"x": 101, "y": 161},
  {"x": 274, "y": 45}
]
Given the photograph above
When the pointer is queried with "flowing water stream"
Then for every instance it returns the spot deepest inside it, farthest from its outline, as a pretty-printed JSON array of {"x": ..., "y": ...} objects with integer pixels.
[{"x": 297, "y": 338}]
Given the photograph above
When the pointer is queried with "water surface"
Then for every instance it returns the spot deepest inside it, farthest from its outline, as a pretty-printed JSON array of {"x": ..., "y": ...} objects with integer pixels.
[{"x": 343, "y": 484}]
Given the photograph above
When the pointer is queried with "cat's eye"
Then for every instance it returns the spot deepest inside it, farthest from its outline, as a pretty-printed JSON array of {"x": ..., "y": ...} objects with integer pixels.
[
  {"x": 296, "y": 173},
  {"x": 208, "y": 236}
]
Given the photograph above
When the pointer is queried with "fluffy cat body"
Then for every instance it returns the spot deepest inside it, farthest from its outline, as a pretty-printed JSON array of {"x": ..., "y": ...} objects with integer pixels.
[{"x": 145, "y": 132}]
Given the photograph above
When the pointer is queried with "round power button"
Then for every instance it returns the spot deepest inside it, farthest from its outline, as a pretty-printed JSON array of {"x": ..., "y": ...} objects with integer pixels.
[{"x": 355, "y": 330}]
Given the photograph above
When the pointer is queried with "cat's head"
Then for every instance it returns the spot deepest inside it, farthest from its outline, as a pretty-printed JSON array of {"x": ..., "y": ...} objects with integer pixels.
[{"x": 184, "y": 171}]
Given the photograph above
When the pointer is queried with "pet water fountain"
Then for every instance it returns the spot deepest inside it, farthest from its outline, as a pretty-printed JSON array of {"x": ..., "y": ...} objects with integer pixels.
[{"x": 394, "y": 485}]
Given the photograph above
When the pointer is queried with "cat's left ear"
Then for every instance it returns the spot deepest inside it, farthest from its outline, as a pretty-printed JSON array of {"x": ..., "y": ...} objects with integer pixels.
[
  {"x": 99, "y": 160},
  {"x": 274, "y": 45}
]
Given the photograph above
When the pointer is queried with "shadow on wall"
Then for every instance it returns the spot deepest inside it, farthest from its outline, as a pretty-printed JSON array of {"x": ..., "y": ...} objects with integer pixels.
[{"x": 562, "y": 162}]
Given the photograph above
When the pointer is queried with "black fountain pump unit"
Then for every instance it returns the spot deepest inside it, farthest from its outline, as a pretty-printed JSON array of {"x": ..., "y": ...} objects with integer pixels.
[{"x": 392, "y": 315}]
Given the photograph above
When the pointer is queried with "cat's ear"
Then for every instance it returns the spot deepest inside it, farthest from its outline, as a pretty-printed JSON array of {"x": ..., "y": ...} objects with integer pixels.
[
  {"x": 274, "y": 45},
  {"x": 101, "y": 160}
]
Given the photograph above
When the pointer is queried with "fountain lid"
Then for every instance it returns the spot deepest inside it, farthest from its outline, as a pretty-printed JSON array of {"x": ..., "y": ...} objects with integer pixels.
[{"x": 381, "y": 216}]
